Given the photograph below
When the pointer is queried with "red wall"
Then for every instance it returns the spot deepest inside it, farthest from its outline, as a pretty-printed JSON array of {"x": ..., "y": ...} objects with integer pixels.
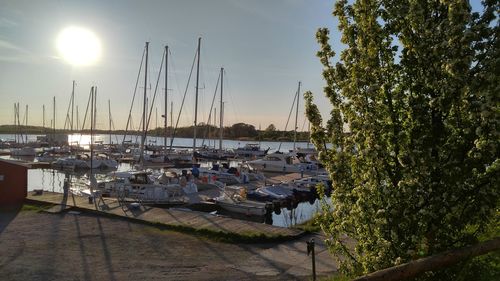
[{"x": 14, "y": 186}]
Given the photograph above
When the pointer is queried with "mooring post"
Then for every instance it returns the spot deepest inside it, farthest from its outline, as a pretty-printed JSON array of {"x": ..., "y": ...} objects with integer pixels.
[{"x": 310, "y": 250}]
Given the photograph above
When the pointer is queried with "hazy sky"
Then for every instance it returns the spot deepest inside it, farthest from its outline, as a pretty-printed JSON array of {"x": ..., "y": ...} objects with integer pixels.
[{"x": 265, "y": 46}]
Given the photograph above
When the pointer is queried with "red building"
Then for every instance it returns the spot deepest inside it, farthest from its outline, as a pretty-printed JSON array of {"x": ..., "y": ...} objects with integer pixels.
[{"x": 13, "y": 182}]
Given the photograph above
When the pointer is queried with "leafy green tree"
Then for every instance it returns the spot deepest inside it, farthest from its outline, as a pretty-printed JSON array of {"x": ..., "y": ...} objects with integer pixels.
[
  {"x": 417, "y": 86},
  {"x": 242, "y": 130},
  {"x": 271, "y": 128}
]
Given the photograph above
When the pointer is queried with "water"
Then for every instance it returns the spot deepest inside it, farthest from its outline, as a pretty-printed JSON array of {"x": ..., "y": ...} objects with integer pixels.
[
  {"x": 53, "y": 180},
  {"x": 84, "y": 140}
]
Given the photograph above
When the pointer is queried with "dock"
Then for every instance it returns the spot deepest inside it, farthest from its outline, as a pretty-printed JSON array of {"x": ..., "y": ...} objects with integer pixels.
[{"x": 173, "y": 218}]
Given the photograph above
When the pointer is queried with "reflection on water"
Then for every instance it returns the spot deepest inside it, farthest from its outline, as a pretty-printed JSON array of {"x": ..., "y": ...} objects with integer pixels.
[
  {"x": 304, "y": 212},
  {"x": 53, "y": 179}
]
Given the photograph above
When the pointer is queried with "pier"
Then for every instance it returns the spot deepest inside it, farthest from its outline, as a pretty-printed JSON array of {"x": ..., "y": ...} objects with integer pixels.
[{"x": 171, "y": 218}]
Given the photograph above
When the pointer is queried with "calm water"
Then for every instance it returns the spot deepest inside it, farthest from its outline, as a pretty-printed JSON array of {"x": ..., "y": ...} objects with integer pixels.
[
  {"x": 186, "y": 142},
  {"x": 53, "y": 180}
]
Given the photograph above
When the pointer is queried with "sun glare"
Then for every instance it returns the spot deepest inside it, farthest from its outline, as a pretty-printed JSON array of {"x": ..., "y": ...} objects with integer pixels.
[{"x": 79, "y": 46}]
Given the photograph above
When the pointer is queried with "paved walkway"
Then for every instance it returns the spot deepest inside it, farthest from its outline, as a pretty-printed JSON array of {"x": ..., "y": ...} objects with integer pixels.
[{"x": 41, "y": 246}]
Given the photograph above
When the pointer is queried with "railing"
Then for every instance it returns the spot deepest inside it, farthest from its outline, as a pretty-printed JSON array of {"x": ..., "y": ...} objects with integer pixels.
[{"x": 435, "y": 262}]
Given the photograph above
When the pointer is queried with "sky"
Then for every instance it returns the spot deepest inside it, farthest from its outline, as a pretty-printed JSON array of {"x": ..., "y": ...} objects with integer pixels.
[{"x": 265, "y": 47}]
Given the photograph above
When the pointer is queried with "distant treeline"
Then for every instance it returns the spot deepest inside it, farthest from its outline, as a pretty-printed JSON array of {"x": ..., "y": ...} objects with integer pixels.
[{"x": 238, "y": 131}]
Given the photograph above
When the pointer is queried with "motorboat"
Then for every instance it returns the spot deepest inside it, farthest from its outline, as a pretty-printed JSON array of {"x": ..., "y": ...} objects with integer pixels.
[
  {"x": 233, "y": 199},
  {"x": 222, "y": 176},
  {"x": 281, "y": 162},
  {"x": 251, "y": 150}
]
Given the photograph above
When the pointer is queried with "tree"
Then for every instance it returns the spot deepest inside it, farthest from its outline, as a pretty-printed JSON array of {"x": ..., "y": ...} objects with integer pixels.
[
  {"x": 417, "y": 85},
  {"x": 271, "y": 128},
  {"x": 242, "y": 130}
]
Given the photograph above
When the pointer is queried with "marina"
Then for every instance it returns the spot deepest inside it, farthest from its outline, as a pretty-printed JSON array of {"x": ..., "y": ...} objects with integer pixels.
[{"x": 277, "y": 204}]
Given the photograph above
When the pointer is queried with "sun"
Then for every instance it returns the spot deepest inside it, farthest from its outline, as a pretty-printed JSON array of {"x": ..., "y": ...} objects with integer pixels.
[{"x": 79, "y": 46}]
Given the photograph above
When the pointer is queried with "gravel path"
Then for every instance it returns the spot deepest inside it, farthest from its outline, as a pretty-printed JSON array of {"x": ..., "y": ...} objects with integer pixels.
[{"x": 40, "y": 246}]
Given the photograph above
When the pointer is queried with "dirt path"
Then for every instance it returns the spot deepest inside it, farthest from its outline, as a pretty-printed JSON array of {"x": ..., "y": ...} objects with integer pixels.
[{"x": 40, "y": 246}]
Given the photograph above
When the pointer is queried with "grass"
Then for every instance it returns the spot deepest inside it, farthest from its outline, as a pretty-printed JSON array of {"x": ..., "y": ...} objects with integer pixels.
[
  {"x": 30, "y": 207},
  {"x": 220, "y": 236},
  {"x": 336, "y": 277},
  {"x": 310, "y": 226}
]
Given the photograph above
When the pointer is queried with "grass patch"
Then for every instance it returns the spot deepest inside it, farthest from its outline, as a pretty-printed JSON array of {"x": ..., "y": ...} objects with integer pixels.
[
  {"x": 220, "y": 236},
  {"x": 336, "y": 277},
  {"x": 31, "y": 207},
  {"x": 309, "y": 226}
]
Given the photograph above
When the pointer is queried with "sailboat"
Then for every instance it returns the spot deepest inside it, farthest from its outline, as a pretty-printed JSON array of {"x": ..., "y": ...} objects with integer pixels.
[
  {"x": 84, "y": 161},
  {"x": 213, "y": 153},
  {"x": 137, "y": 185},
  {"x": 25, "y": 150},
  {"x": 280, "y": 162}
]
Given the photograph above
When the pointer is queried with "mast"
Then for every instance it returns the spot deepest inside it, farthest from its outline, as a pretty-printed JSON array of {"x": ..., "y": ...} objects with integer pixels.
[
  {"x": 26, "y": 136},
  {"x": 43, "y": 116},
  {"x": 221, "y": 106},
  {"x": 15, "y": 121},
  {"x": 143, "y": 139},
  {"x": 171, "y": 115},
  {"x": 109, "y": 110},
  {"x": 215, "y": 122},
  {"x": 166, "y": 99},
  {"x": 92, "y": 120},
  {"x": 77, "y": 119},
  {"x": 72, "y": 104},
  {"x": 54, "y": 120},
  {"x": 196, "y": 90},
  {"x": 296, "y": 117}
]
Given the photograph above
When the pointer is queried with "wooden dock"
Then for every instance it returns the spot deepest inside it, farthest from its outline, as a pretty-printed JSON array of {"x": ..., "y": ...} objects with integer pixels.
[{"x": 175, "y": 218}]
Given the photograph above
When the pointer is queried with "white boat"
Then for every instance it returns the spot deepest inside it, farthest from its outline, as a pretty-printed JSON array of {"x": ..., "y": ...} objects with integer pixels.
[
  {"x": 25, "y": 151},
  {"x": 251, "y": 150},
  {"x": 100, "y": 161},
  {"x": 46, "y": 157},
  {"x": 104, "y": 162},
  {"x": 137, "y": 185},
  {"x": 162, "y": 157},
  {"x": 71, "y": 162},
  {"x": 215, "y": 154},
  {"x": 281, "y": 162},
  {"x": 308, "y": 182},
  {"x": 234, "y": 200},
  {"x": 275, "y": 192},
  {"x": 224, "y": 177}
]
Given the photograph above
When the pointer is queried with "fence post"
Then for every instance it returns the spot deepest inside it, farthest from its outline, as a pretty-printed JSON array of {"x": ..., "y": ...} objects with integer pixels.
[{"x": 310, "y": 250}]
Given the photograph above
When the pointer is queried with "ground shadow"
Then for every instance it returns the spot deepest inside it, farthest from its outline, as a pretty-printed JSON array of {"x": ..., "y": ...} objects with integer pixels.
[{"x": 8, "y": 214}]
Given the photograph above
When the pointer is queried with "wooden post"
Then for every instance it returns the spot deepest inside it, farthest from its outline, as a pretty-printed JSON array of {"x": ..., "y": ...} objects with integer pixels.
[{"x": 310, "y": 250}]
